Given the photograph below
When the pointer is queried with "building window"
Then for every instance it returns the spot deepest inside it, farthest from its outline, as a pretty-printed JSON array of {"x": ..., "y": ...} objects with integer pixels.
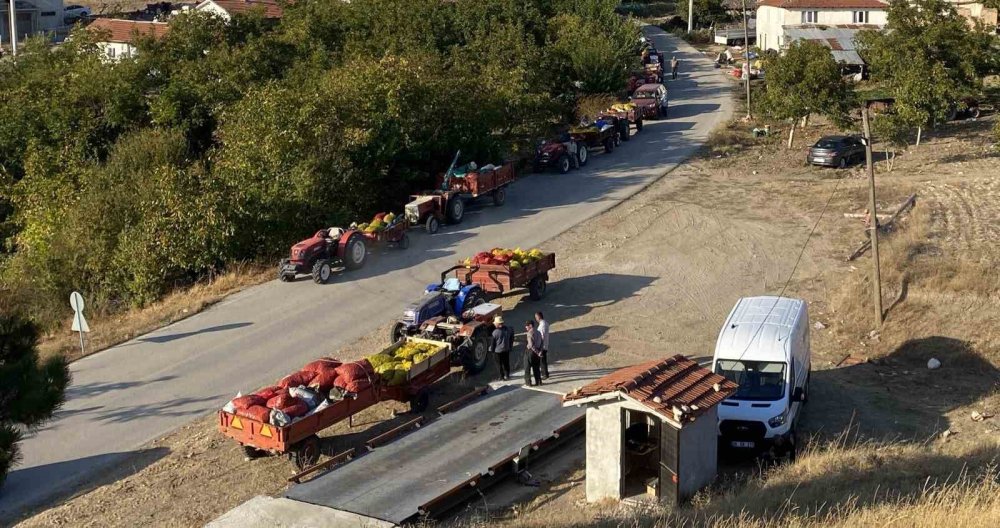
[
  {"x": 810, "y": 17},
  {"x": 861, "y": 17},
  {"x": 111, "y": 52}
]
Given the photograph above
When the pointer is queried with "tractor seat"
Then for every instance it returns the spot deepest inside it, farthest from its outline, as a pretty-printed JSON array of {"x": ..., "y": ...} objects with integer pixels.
[
  {"x": 334, "y": 233},
  {"x": 451, "y": 284}
]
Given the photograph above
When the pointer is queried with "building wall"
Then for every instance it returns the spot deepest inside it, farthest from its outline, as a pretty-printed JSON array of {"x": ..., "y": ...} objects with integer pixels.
[
  {"x": 47, "y": 15},
  {"x": 699, "y": 454},
  {"x": 116, "y": 51},
  {"x": 771, "y": 19},
  {"x": 604, "y": 452}
]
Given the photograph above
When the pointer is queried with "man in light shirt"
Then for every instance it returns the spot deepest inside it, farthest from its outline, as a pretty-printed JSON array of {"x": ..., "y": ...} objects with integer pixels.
[{"x": 543, "y": 328}]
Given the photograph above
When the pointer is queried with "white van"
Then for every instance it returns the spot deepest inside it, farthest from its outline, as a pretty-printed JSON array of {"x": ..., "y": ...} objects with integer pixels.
[{"x": 764, "y": 348}]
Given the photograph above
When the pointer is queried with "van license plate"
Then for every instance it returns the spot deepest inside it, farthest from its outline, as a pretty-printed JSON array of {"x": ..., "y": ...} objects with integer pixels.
[{"x": 742, "y": 444}]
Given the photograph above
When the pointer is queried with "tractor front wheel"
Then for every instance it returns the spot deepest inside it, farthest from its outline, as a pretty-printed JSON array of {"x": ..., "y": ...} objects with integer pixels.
[
  {"x": 499, "y": 196},
  {"x": 536, "y": 288},
  {"x": 355, "y": 252},
  {"x": 582, "y": 155},
  {"x": 321, "y": 271},
  {"x": 432, "y": 225},
  {"x": 397, "y": 333},
  {"x": 609, "y": 145},
  {"x": 306, "y": 453},
  {"x": 282, "y": 276}
]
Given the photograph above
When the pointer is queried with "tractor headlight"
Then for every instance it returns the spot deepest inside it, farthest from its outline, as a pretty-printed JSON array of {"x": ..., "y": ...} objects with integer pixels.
[
  {"x": 409, "y": 314},
  {"x": 778, "y": 420}
]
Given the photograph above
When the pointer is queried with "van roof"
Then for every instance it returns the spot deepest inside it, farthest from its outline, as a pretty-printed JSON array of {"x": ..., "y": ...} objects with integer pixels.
[{"x": 767, "y": 320}]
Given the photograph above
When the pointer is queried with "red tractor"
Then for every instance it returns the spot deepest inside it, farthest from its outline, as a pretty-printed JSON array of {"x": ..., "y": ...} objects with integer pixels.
[
  {"x": 563, "y": 153},
  {"x": 457, "y": 187},
  {"x": 318, "y": 254}
]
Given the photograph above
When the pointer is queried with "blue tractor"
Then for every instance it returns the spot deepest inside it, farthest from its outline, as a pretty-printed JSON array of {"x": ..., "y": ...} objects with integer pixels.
[{"x": 448, "y": 298}]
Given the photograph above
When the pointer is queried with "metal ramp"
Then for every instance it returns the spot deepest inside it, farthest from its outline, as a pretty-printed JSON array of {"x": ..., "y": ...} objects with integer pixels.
[{"x": 438, "y": 466}]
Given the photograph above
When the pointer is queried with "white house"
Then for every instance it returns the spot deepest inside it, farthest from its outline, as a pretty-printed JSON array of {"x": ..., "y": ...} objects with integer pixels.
[
  {"x": 118, "y": 36},
  {"x": 33, "y": 16},
  {"x": 227, "y": 8},
  {"x": 774, "y": 15}
]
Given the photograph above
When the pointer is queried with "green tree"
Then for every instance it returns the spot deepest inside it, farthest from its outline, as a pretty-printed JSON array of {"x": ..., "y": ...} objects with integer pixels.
[
  {"x": 803, "y": 81},
  {"x": 594, "y": 46},
  {"x": 709, "y": 13},
  {"x": 31, "y": 389}
]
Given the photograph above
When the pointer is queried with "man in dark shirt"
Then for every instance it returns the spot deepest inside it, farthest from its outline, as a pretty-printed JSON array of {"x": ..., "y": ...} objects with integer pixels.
[
  {"x": 534, "y": 347},
  {"x": 500, "y": 344}
]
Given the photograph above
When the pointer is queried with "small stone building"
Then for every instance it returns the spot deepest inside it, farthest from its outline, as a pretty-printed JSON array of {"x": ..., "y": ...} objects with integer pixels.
[{"x": 652, "y": 429}]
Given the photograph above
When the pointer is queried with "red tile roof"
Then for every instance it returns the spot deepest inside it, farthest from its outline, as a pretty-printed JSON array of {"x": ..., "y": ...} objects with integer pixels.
[
  {"x": 271, "y": 8},
  {"x": 124, "y": 31},
  {"x": 825, "y": 4},
  {"x": 663, "y": 385}
]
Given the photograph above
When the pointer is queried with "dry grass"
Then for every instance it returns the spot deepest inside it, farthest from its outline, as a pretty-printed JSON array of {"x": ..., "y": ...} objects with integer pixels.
[{"x": 108, "y": 330}]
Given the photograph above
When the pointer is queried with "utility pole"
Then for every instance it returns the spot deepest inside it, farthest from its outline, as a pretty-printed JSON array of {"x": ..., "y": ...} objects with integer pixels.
[
  {"x": 690, "y": 16},
  {"x": 874, "y": 216},
  {"x": 13, "y": 29},
  {"x": 746, "y": 56}
]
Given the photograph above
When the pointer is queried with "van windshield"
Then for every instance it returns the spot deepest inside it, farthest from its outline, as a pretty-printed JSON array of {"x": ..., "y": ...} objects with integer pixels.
[{"x": 758, "y": 380}]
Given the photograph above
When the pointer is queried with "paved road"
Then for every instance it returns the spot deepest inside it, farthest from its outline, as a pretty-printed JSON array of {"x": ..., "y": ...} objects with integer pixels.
[{"x": 131, "y": 394}]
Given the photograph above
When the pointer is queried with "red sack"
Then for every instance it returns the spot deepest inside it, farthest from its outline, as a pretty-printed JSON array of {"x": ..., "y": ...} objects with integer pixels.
[
  {"x": 245, "y": 402},
  {"x": 295, "y": 410},
  {"x": 281, "y": 401},
  {"x": 324, "y": 381},
  {"x": 321, "y": 365},
  {"x": 256, "y": 412},
  {"x": 356, "y": 371},
  {"x": 269, "y": 392},
  {"x": 299, "y": 378}
]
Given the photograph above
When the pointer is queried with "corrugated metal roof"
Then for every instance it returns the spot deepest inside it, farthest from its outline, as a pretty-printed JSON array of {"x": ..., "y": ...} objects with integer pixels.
[
  {"x": 839, "y": 38},
  {"x": 674, "y": 387}
]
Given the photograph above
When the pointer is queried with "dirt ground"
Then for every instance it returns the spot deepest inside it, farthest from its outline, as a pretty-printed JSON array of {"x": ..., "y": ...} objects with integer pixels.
[{"x": 657, "y": 275}]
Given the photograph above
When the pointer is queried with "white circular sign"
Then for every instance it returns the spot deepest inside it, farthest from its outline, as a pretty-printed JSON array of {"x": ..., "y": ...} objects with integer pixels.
[{"x": 76, "y": 301}]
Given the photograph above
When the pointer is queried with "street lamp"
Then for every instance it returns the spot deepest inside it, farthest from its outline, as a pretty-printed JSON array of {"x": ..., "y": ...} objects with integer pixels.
[{"x": 13, "y": 29}]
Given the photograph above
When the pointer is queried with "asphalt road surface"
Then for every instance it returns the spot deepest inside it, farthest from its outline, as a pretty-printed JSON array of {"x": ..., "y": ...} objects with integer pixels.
[{"x": 136, "y": 392}]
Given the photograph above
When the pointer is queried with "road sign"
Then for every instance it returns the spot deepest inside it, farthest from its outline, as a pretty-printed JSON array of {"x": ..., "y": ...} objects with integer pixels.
[{"x": 79, "y": 322}]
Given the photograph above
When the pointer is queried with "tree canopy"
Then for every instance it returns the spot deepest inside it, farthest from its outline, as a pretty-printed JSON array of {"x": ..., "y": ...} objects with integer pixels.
[{"x": 806, "y": 80}]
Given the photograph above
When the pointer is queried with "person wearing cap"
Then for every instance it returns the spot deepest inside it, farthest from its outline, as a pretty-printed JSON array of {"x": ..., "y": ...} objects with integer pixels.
[
  {"x": 533, "y": 369},
  {"x": 500, "y": 344}
]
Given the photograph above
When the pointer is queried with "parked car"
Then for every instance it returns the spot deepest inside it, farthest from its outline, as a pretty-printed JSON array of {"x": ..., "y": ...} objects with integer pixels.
[
  {"x": 72, "y": 13},
  {"x": 764, "y": 348},
  {"x": 837, "y": 151},
  {"x": 652, "y": 99}
]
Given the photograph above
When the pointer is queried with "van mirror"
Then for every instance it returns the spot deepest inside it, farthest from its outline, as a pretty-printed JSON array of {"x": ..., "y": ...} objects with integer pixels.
[{"x": 797, "y": 394}]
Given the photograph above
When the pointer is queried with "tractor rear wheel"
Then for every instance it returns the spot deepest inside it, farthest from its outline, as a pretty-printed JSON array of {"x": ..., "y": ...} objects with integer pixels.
[
  {"x": 398, "y": 332},
  {"x": 638, "y": 125},
  {"x": 432, "y": 225},
  {"x": 582, "y": 155},
  {"x": 563, "y": 164},
  {"x": 456, "y": 210},
  {"x": 321, "y": 271},
  {"x": 473, "y": 300},
  {"x": 609, "y": 145},
  {"x": 420, "y": 401},
  {"x": 499, "y": 196},
  {"x": 355, "y": 252},
  {"x": 306, "y": 453},
  {"x": 536, "y": 288}
]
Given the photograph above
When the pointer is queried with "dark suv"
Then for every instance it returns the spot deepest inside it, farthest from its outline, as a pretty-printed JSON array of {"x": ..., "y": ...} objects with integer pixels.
[{"x": 837, "y": 151}]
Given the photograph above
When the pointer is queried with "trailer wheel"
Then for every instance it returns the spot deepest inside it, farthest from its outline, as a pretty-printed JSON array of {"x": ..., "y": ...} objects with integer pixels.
[
  {"x": 321, "y": 271},
  {"x": 456, "y": 210},
  {"x": 476, "y": 354},
  {"x": 638, "y": 125},
  {"x": 625, "y": 130},
  {"x": 397, "y": 333},
  {"x": 536, "y": 288},
  {"x": 499, "y": 196},
  {"x": 563, "y": 164},
  {"x": 582, "y": 155},
  {"x": 404, "y": 242},
  {"x": 609, "y": 145},
  {"x": 432, "y": 225},
  {"x": 420, "y": 401},
  {"x": 306, "y": 453},
  {"x": 355, "y": 253},
  {"x": 252, "y": 452}
]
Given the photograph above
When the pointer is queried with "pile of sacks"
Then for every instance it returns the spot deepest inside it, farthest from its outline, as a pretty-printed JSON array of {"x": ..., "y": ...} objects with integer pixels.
[
  {"x": 305, "y": 392},
  {"x": 394, "y": 367}
]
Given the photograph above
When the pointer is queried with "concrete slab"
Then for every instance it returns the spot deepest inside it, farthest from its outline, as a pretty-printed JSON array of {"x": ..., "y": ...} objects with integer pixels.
[
  {"x": 393, "y": 482},
  {"x": 270, "y": 512}
]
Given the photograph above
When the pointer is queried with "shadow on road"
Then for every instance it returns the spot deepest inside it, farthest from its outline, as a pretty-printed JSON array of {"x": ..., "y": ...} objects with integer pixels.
[{"x": 173, "y": 337}]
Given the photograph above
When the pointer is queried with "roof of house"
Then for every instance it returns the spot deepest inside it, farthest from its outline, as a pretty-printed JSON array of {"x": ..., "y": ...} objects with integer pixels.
[
  {"x": 124, "y": 31},
  {"x": 839, "y": 38},
  {"x": 271, "y": 8},
  {"x": 675, "y": 387},
  {"x": 825, "y": 4}
]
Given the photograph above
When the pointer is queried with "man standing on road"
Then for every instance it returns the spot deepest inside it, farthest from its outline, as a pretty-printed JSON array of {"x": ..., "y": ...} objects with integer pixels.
[
  {"x": 543, "y": 328},
  {"x": 534, "y": 355},
  {"x": 674, "y": 63},
  {"x": 500, "y": 344}
]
